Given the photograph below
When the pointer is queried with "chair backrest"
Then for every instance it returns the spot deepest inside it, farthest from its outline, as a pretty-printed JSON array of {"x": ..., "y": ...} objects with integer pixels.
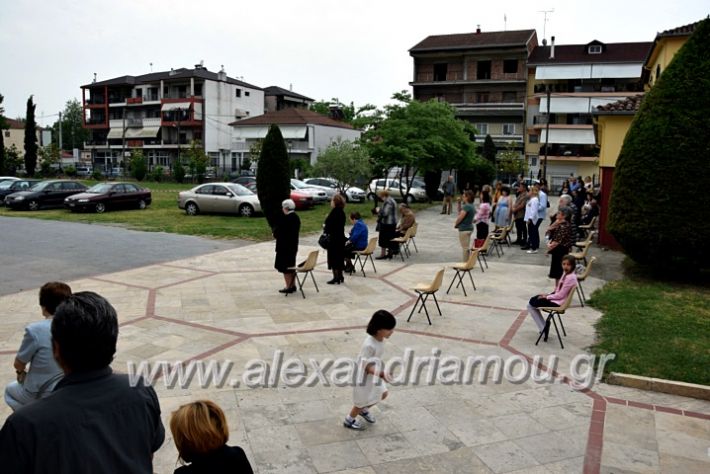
[
  {"x": 511, "y": 226},
  {"x": 565, "y": 304},
  {"x": 585, "y": 250},
  {"x": 408, "y": 234},
  {"x": 371, "y": 245},
  {"x": 593, "y": 222},
  {"x": 310, "y": 262},
  {"x": 486, "y": 243},
  {"x": 436, "y": 284},
  {"x": 583, "y": 276},
  {"x": 414, "y": 230},
  {"x": 503, "y": 233},
  {"x": 471, "y": 262}
]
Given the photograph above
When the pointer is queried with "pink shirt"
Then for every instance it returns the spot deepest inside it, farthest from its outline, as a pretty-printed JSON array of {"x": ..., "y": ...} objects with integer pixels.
[
  {"x": 484, "y": 212},
  {"x": 567, "y": 283}
]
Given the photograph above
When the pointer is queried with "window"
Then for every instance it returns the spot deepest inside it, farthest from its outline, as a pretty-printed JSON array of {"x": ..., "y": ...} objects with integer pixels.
[
  {"x": 131, "y": 188},
  {"x": 533, "y": 160},
  {"x": 482, "y": 128},
  {"x": 440, "y": 71},
  {"x": 182, "y": 91},
  {"x": 658, "y": 71},
  {"x": 509, "y": 96},
  {"x": 205, "y": 189},
  {"x": 482, "y": 96},
  {"x": 237, "y": 92},
  {"x": 534, "y": 138},
  {"x": 247, "y": 93},
  {"x": 234, "y": 161},
  {"x": 595, "y": 49},
  {"x": 508, "y": 129},
  {"x": 219, "y": 190},
  {"x": 198, "y": 89},
  {"x": 483, "y": 70},
  {"x": 7, "y": 133},
  {"x": 510, "y": 66}
]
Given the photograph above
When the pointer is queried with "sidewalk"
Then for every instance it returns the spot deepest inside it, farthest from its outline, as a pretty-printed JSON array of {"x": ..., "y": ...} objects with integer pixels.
[{"x": 225, "y": 306}]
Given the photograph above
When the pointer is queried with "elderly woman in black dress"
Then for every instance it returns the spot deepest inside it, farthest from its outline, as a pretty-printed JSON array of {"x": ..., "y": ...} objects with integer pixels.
[
  {"x": 286, "y": 233},
  {"x": 335, "y": 228},
  {"x": 561, "y": 240}
]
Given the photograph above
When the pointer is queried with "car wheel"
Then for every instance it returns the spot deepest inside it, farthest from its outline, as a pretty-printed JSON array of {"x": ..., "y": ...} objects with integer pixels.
[
  {"x": 100, "y": 208},
  {"x": 191, "y": 209},
  {"x": 372, "y": 197},
  {"x": 409, "y": 199},
  {"x": 33, "y": 205},
  {"x": 245, "y": 210},
  {"x": 141, "y": 204}
]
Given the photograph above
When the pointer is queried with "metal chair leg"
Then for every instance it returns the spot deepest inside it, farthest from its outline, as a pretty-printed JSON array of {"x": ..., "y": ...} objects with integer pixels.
[
  {"x": 558, "y": 332},
  {"x": 480, "y": 263},
  {"x": 415, "y": 245},
  {"x": 559, "y": 316},
  {"x": 452, "y": 282},
  {"x": 415, "y": 306},
  {"x": 300, "y": 285},
  {"x": 581, "y": 301},
  {"x": 314, "y": 281},
  {"x": 437, "y": 303},
  {"x": 471, "y": 277}
]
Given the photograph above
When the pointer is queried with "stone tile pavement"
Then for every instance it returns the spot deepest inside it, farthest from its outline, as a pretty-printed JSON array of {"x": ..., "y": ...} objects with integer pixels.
[{"x": 224, "y": 306}]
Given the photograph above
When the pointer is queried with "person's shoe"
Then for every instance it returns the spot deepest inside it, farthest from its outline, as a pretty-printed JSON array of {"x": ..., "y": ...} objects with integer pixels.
[
  {"x": 288, "y": 290},
  {"x": 352, "y": 423},
  {"x": 532, "y": 251},
  {"x": 525, "y": 247},
  {"x": 547, "y": 332},
  {"x": 349, "y": 269},
  {"x": 382, "y": 257},
  {"x": 333, "y": 281},
  {"x": 368, "y": 417}
]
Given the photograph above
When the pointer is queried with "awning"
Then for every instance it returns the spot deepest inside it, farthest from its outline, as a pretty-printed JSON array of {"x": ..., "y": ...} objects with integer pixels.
[
  {"x": 589, "y": 71},
  {"x": 175, "y": 106},
  {"x": 250, "y": 132},
  {"x": 289, "y": 132},
  {"x": 611, "y": 71},
  {"x": 569, "y": 136},
  {"x": 145, "y": 132},
  {"x": 115, "y": 133},
  {"x": 574, "y": 105}
]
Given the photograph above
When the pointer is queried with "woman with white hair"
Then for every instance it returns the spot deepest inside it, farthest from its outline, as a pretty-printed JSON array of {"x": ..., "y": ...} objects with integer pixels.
[{"x": 286, "y": 234}]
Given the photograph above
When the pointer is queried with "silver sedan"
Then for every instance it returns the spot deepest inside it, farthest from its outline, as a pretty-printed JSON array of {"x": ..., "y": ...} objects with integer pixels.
[{"x": 219, "y": 198}]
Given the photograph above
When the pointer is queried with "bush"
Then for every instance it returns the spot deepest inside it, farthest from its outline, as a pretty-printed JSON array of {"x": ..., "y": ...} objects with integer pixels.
[
  {"x": 138, "y": 164},
  {"x": 302, "y": 165},
  {"x": 157, "y": 174},
  {"x": 178, "y": 171},
  {"x": 70, "y": 171},
  {"x": 663, "y": 163},
  {"x": 97, "y": 175},
  {"x": 272, "y": 176}
]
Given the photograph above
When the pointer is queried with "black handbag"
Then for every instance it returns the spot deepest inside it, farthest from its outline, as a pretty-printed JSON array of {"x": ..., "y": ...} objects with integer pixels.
[{"x": 324, "y": 240}]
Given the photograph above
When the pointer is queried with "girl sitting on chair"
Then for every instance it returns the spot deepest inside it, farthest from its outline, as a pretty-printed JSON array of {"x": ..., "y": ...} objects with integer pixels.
[{"x": 567, "y": 283}]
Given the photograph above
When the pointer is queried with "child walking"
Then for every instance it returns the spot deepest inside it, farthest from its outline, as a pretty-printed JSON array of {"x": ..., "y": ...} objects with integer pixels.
[{"x": 367, "y": 394}]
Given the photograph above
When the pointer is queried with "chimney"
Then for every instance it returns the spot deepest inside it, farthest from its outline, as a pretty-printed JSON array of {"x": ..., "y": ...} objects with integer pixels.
[
  {"x": 290, "y": 87},
  {"x": 222, "y": 75},
  {"x": 94, "y": 77},
  {"x": 478, "y": 29},
  {"x": 552, "y": 47},
  {"x": 172, "y": 72}
]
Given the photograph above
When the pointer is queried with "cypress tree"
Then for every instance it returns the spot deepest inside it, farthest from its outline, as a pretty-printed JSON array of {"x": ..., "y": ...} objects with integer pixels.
[
  {"x": 663, "y": 167},
  {"x": 30, "y": 139},
  {"x": 273, "y": 182},
  {"x": 3, "y": 126},
  {"x": 489, "y": 150}
]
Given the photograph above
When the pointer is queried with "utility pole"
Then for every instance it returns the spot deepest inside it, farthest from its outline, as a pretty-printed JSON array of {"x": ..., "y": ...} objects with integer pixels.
[
  {"x": 123, "y": 137},
  {"x": 60, "y": 131},
  {"x": 179, "y": 111},
  {"x": 547, "y": 133}
]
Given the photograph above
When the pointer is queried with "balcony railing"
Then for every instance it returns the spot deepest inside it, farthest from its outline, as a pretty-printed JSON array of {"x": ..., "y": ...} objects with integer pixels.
[
  {"x": 432, "y": 77},
  {"x": 96, "y": 100},
  {"x": 95, "y": 121}
]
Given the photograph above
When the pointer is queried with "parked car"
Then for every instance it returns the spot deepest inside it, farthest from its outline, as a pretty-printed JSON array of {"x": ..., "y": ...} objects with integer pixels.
[
  {"x": 329, "y": 191},
  {"x": 84, "y": 170},
  {"x": 352, "y": 193},
  {"x": 419, "y": 183},
  {"x": 51, "y": 193},
  {"x": 222, "y": 198},
  {"x": 318, "y": 195},
  {"x": 8, "y": 178},
  {"x": 248, "y": 182},
  {"x": 393, "y": 186},
  {"x": 104, "y": 196},
  {"x": 302, "y": 200},
  {"x": 10, "y": 186}
]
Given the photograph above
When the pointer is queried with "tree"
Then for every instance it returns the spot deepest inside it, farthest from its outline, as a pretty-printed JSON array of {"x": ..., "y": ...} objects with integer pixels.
[
  {"x": 511, "y": 161},
  {"x": 139, "y": 167},
  {"x": 361, "y": 118},
  {"x": 30, "y": 139},
  {"x": 489, "y": 150},
  {"x": 73, "y": 132},
  {"x": 49, "y": 158},
  {"x": 479, "y": 171},
  {"x": 664, "y": 155},
  {"x": 273, "y": 183},
  {"x": 3, "y": 126},
  {"x": 178, "y": 171},
  {"x": 13, "y": 162},
  {"x": 197, "y": 161},
  {"x": 345, "y": 161}
]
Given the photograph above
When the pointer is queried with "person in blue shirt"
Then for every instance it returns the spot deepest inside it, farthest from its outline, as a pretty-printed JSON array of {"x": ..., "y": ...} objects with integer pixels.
[{"x": 356, "y": 241}]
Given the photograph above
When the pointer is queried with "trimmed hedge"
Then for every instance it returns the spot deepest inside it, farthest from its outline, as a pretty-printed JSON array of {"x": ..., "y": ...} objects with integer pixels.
[{"x": 658, "y": 211}]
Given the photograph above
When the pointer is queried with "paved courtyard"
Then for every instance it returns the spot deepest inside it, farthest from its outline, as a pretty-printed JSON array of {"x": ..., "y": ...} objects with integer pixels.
[{"x": 224, "y": 306}]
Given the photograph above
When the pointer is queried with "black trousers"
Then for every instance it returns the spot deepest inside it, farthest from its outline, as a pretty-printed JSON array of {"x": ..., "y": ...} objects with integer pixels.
[{"x": 522, "y": 230}]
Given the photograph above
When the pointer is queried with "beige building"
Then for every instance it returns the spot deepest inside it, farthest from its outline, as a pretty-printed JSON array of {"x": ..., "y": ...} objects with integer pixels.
[{"x": 15, "y": 135}]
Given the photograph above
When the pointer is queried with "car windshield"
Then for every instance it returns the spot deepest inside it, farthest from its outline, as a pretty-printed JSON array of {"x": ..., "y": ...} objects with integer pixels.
[
  {"x": 40, "y": 186},
  {"x": 6, "y": 184},
  {"x": 240, "y": 190},
  {"x": 99, "y": 188},
  {"x": 298, "y": 184}
]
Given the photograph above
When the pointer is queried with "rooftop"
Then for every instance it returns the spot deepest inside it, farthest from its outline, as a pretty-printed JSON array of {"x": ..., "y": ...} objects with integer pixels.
[
  {"x": 578, "y": 53},
  {"x": 474, "y": 40},
  {"x": 276, "y": 90},
  {"x": 627, "y": 106},
  {"x": 685, "y": 30},
  {"x": 181, "y": 73},
  {"x": 291, "y": 116}
]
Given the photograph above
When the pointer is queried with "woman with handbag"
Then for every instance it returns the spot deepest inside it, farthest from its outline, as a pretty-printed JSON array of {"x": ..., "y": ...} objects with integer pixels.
[
  {"x": 334, "y": 227},
  {"x": 387, "y": 222}
]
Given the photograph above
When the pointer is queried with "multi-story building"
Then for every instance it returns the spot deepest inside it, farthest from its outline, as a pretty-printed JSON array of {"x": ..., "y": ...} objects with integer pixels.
[
  {"x": 278, "y": 98},
  {"x": 483, "y": 75},
  {"x": 162, "y": 113},
  {"x": 14, "y": 135},
  {"x": 574, "y": 79}
]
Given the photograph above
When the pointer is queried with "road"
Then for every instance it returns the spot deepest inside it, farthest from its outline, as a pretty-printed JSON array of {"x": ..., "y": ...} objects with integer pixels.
[{"x": 34, "y": 251}]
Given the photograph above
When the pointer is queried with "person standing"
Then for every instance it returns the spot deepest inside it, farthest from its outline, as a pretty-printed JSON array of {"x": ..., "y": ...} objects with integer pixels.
[
  {"x": 561, "y": 240},
  {"x": 519, "y": 214},
  {"x": 464, "y": 223},
  {"x": 286, "y": 234},
  {"x": 386, "y": 223},
  {"x": 36, "y": 350},
  {"x": 96, "y": 421},
  {"x": 334, "y": 227},
  {"x": 504, "y": 207},
  {"x": 449, "y": 191},
  {"x": 532, "y": 221},
  {"x": 482, "y": 217}
]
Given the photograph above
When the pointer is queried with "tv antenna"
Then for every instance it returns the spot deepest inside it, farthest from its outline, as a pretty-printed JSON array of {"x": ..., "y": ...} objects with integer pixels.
[
  {"x": 505, "y": 22},
  {"x": 544, "y": 22},
  {"x": 151, "y": 67}
]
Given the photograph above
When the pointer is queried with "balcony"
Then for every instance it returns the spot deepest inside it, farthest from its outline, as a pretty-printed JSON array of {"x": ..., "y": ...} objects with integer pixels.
[
  {"x": 96, "y": 144},
  {"x": 134, "y": 100},
  {"x": 96, "y": 100}
]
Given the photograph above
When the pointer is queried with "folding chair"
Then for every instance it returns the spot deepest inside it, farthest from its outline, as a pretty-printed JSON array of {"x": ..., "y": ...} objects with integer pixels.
[
  {"x": 367, "y": 253},
  {"x": 424, "y": 291},
  {"x": 415, "y": 227},
  {"x": 483, "y": 251},
  {"x": 403, "y": 243},
  {"x": 581, "y": 277},
  {"x": 551, "y": 313},
  {"x": 511, "y": 227},
  {"x": 498, "y": 237},
  {"x": 306, "y": 268},
  {"x": 463, "y": 268},
  {"x": 583, "y": 254},
  {"x": 583, "y": 243},
  {"x": 591, "y": 226}
]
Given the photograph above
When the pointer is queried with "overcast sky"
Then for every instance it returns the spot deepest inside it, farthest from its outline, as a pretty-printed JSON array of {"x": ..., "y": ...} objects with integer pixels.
[{"x": 352, "y": 50}]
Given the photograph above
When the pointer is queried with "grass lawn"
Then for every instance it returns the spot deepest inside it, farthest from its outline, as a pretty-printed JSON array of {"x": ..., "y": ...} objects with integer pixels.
[
  {"x": 163, "y": 215},
  {"x": 656, "y": 329}
]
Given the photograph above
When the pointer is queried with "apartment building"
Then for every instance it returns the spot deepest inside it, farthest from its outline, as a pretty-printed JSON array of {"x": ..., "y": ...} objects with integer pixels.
[
  {"x": 483, "y": 75},
  {"x": 565, "y": 85},
  {"x": 277, "y": 98},
  {"x": 162, "y": 113}
]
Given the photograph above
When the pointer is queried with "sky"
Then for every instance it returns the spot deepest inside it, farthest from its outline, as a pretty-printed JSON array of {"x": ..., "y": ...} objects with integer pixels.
[{"x": 351, "y": 50}]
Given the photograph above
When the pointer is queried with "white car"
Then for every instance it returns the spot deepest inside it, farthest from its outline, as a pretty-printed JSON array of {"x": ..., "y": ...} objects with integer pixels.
[
  {"x": 9, "y": 178},
  {"x": 318, "y": 194},
  {"x": 393, "y": 186},
  {"x": 352, "y": 193},
  {"x": 221, "y": 198}
]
